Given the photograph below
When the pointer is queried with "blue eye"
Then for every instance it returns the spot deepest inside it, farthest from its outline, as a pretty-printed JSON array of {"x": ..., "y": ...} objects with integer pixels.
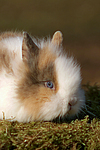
[{"x": 49, "y": 84}]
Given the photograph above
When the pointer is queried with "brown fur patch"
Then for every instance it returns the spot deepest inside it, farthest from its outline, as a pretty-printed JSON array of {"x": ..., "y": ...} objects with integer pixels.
[
  {"x": 35, "y": 100},
  {"x": 31, "y": 89},
  {"x": 5, "y": 61},
  {"x": 45, "y": 57}
]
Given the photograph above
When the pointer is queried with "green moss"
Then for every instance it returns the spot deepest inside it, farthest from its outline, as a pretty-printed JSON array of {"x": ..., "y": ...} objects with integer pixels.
[
  {"x": 92, "y": 100},
  {"x": 78, "y": 134}
]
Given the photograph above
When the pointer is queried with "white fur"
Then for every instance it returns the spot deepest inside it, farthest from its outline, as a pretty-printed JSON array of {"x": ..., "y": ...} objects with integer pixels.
[
  {"x": 9, "y": 104},
  {"x": 13, "y": 44},
  {"x": 69, "y": 80}
]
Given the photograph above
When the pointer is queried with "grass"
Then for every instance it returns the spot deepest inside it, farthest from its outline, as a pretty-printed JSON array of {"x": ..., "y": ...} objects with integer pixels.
[{"x": 78, "y": 134}]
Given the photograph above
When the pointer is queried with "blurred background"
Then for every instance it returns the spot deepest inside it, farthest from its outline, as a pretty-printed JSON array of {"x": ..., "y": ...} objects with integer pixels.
[{"x": 78, "y": 20}]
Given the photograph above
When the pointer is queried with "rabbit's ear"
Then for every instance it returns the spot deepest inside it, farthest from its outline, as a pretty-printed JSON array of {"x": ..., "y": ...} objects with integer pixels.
[
  {"x": 28, "y": 47},
  {"x": 57, "y": 38}
]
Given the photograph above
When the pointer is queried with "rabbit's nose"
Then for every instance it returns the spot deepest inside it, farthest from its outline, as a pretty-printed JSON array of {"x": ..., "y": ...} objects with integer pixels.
[{"x": 73, "y": 101}]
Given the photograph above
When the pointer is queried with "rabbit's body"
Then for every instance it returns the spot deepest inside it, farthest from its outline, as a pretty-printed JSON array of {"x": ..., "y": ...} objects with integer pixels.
[{"x": 37, "y": 81}]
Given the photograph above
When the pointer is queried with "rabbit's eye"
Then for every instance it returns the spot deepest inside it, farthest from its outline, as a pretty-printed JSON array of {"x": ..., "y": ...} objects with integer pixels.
[{"x": 49, "y": 84}]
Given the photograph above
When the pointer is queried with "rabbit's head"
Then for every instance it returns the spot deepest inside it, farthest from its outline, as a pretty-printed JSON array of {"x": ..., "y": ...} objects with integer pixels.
[{"x": 51, "y": 83}]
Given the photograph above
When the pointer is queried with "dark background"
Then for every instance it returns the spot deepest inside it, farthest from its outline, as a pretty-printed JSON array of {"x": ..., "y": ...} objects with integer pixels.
[{"x": 79, "y": 21}]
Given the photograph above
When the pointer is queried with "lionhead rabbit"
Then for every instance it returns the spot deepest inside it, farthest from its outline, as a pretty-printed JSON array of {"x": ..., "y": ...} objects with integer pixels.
[{"x": 38, "y": 81}]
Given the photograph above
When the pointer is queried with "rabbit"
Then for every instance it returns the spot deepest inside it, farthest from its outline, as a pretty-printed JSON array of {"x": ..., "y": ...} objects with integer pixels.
[{"x": 38, "y": 80}]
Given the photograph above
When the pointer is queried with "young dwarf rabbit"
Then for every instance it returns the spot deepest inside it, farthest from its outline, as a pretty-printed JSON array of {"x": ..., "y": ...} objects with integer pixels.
[{"x": 37, "y": 80}]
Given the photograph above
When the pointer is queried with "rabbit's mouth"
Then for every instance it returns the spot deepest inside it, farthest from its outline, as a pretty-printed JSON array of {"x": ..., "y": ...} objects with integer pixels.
[{"x": 71, "y": 107}]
